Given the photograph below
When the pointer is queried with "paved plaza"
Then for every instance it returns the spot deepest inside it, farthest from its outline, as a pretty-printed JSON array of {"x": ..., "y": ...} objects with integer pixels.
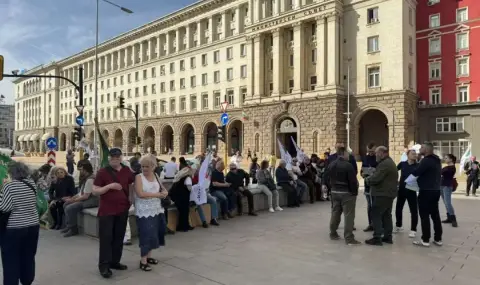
[{"x": 291, "y": 247}]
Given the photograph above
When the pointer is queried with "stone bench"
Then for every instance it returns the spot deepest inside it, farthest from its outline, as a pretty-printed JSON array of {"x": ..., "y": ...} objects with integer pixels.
[{"x": 88, "y": 221}]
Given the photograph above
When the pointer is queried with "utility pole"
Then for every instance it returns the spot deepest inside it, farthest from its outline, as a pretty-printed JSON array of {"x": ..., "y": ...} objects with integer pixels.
[{"x": 348, "y": 113}]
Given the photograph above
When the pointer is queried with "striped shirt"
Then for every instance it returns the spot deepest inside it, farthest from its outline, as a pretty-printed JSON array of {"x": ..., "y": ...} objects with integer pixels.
[{"x": 20, "y": 200}]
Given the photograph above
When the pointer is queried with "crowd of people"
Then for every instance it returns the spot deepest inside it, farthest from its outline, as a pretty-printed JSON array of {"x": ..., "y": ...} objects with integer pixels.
[{"x": 113, "y": 189}]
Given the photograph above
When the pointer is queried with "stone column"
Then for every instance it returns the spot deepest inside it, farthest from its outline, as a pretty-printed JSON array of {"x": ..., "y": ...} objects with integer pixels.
[
  {"x": 140, "y": 51},
  {"x": 119, "y": 56},
  {"x": 321, "y": 52},
  {"x": 250, "y": 66},
  {"x": 211, "y": 29},
  {"x": 278, "y": 61},
  {"x": 200, "y": 33},
  {"x": 250, "y": 10},
  {"x": 333, "y": 52},
  {"x": 149, "y": 52},
  {"x": 167, "y": 43},
  {"x": 258, "y": 11},
  {"x": 125, "y": 57},
  {"x": 178, "y": 39},
  {"x": 188, "y": 36},
  {"x": 159, "y": 46},
  {"x": 277, "y": 7},
  {"x": 283, "y": 5},
  {"x": 259, "y": 65},
  {"x": 225, "y": 25},
  {"x": 298, "y": 56}
]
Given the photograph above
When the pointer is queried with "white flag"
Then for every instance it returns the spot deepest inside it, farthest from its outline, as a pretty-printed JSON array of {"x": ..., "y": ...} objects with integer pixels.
[
  {"x": 199, "y": 190},
  {"x": 284, "y": 153},
  {"x": 465, "y": 157},
  {"x": 300, "y": 154}
]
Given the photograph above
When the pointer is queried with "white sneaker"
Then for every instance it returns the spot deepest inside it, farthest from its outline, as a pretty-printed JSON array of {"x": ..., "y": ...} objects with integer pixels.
[
  {"x": 438, "y": 243},
  {"x": 421, "y": 243},
  {"x": 271, "y": 210},
  {"x": 397, "y": 230},
  {"x": 278, "y": 209},
  {"x": 412, "y": 234}
]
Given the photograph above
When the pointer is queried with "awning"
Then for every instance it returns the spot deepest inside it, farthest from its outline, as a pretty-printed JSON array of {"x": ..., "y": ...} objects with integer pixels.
[
  {"x": 34, "y": 137},
  {"x": 46, "y": 136},
  {"x": 20, "y": 138},
  {"x": 27, "y": 138}
]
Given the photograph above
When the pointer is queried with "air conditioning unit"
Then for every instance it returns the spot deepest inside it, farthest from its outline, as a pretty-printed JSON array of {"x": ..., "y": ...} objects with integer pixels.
[{"x": 422, "y": 103}]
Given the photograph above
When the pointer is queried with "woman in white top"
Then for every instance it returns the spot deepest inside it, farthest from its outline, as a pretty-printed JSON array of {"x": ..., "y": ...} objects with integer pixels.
[{"x": 149, "y": 211}]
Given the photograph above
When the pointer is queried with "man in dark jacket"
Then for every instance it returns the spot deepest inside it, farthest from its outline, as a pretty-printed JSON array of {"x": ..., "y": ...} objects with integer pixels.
[
  {"x": 351, "y": 158},
  {"x": 285, "y": 181},
  {"x": 429, "y": 177},
  {"x": 369, "y": 163},
  {"x": 383, "y": 190},
  {"x": 342, "y": 179},
  {"x": 239, "y": 180},
  {"x": 472, "y": 169}
]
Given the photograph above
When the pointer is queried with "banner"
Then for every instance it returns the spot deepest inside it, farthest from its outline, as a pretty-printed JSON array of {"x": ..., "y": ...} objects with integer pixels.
[
  {"x": 300, "y": 154},
  {"x": 199, "y": 190},
  {"x": 465, "y": 158},
  {"x": 284, "y": 153},
  {"x": 103, "y": 147}
]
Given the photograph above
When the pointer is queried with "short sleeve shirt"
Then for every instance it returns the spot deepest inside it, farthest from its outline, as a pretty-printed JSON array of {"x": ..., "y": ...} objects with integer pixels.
[
  {"x": 217, "y": 176},
  {"x": 114, "y": 202}
]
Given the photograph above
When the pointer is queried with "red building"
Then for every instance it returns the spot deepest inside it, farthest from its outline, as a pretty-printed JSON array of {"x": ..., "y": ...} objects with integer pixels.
[{"x": 448, "y": 74}]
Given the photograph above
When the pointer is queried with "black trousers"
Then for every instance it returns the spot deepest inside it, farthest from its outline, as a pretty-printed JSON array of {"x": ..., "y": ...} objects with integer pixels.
[
  {"x": 182, "y": 203},
  {"x": 428, "y": 208},
  {"x": 381, "y": 214},
  {"x": 57, "y": 211},
  {"x": 472, "y": 183},
  {"x": 19, "y": 247},
  {"x": 405, "y": 195},
  {"x": 311, "y": 188},
  {"x": 70, "y": 168},
  {"x": 111, "y": 233},
  {"x": 249, "y": 196},
  {"x": 292, "y": 198}
]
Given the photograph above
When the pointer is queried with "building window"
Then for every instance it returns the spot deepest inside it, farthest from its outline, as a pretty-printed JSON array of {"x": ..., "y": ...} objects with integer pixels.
[
  {"x": 450, "y": 125},
  {"x": 243, "y": 92},
  {"x": 270, "y": 88},
  {"x": 373, "y": 44},
  {"x": 463, "y": 96},
  {"x": 205, "y": 101},
  {"x": 162, "y": 87},
  {"x": 457, "y": 148},
  {"x": 229, "y": 74},
  {"x": 172, "y": 106},
  {"x": 435, "y": 70},
  {"x": 462, "y": 67},
  {"x": 216, "y": 100},
  {"x": 193, "y": 63},
  {"x": 435, "y": 96},
  {"x": 163, "y": 106},
  {"x": 291, "y": 85},
  {"x": 204, "y": 79},
  {"x": 182, "y": 65},
  {"x": 172, "y": 67},
  {"x": 216, "y": 57},
  {"x": 144, "y": 74},
  {"x": 145, "y": 109},
  {"x": 243, "y": 71},
  {"x": 434, "y": 20},
  {"x": 137, "y": 76},
  {"x": 434, "y": 46},
  {"x": 462, "y": 15},
  {"x": 182, "y": 83},
  {"x": 172, "y": 85},
  {"x": 410, "y": 16},
  {"x": 314, "y": 56},
  {"x": 229, "y": 53},
  {"x": 204, "y": 59},
  {"x": 216, "y": 76},
  {"x": 462, "y": 41},
  {"x": 372, "y": 15},
  {"x": 154, "y": 73},
  {"x": 313, "y": 82},
  {"x": 193, "y": 102},
  {"x": 193, "y": 81},
  {"x": 154, "y": 108},
  {"x": 231, "y": 98},
  {"x": 410, "y": 77},
  {"x": 243, "y": 50},
  {"x": 183, "y": 104},
  {"x": 374, "y": 77},
  {"x": 290, "y": 60},
  {"x": 137, "y": 92},
  {"x": 410, "y": 45},
  {"x": 257, "y": 143},
  {"x": 145, "y": 92}
]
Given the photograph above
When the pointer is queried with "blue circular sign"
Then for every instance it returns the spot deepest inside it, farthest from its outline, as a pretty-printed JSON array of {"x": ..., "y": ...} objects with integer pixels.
[
  {"x": 51, "y": 143},
  {"x": 224, "y": 119},
  {"x": 79, "y": 120}
]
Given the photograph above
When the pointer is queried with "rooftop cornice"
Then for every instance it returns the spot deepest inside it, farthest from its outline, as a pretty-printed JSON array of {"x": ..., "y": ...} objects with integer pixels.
[{"x": 165, "y": 22}]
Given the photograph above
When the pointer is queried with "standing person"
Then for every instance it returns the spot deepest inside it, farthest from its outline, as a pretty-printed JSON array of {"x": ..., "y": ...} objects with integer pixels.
[
  {"x": 249, "y": 154},
  {"x": 383, "y": 190},
  {"x": 272, "y": 162},
  {"x": 254, "y": 167},
  {"x": 83, "y": 200},
  {"x": 369, "y": 163},
  {"x": 285, "y": 181},
  {"x": 341, "y": 178},
  {"x": 268, "y": 187},
  {"x": 239, "y": 181},
  {"x": 19, "y": 240},
  {"x": 429, "y": 177},
  {"x": 62, "y": 190},
  {"x": 210, "y": 200},
  {"x": 472, "y": 169},
  {"x": 237, "y": 158},
  {"x": 43, "y": 181},
  {"x": 70, "y": 161},
  {"x": 406, "y": 169},
  {"x": 180, "y": 194},
  {"x": 170, "y": 169},
  {"x": 85, "y": 159},
  {"x": 112, "y": 185},
  {"x": 149, "y": 211},
  {"x": 351, "y": 158},
  {"x": 448, "y": 180}
]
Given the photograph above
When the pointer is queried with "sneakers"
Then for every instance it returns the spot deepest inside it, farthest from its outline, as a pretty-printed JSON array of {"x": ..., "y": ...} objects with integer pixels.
[
  {"x": 334, "y": 236},
  {"x": 412, "y": 234},
  {"x": 353, "y": 242},
  {"x": 278, "y": 209},
  {"x": 398, "y": 230},
  {"x": 205, "y": 225},
  {"x": 421, "y": 243},
  {"x": 374, "y": 241},
  {"x": 214, "y": 222},
  {"x": 438, "y": 243},
  {"x": 271, "y": 210}
]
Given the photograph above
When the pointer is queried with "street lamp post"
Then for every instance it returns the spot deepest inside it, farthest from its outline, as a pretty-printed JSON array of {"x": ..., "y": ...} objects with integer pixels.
[
  {"x": 128, "y": 11},
  {"x": 348, "y": 103}
]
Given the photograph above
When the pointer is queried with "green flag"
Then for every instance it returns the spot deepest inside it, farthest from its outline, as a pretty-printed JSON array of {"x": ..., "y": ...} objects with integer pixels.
[
  {"x": 4, "y": 160},
  {"x": 103, "y": 148}
]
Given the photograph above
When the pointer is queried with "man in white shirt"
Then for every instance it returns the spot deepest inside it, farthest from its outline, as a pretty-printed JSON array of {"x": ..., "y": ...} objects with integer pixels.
[
  {"x": 236, "y": 159},
  {"x": 170, "y": 169}
]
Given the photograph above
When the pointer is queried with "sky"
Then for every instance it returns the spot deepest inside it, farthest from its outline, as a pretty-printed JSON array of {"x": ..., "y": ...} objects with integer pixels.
[{"x": 34, "y": 32}]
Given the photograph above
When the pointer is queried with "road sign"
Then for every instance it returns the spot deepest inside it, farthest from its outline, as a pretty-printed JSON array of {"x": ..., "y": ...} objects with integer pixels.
[
  {"x": 51, "y": 143},
  {"x": 51, "y": 158},
  {"x": 224, "y": 106},
  {"x": 79, "y": 120},
  {"x": 79, "y": 109},
  {"x": 224, "y": 119}
]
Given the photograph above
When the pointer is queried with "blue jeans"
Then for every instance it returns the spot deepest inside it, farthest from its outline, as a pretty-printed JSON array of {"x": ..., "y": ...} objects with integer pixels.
[
  {"x": 369, "y": 207},
  {"x": 447, "y": 199},
  {"x": 301, "y": 189},
  {"x": 213, "y": 207},
  {"x": 222, "y": 200}
]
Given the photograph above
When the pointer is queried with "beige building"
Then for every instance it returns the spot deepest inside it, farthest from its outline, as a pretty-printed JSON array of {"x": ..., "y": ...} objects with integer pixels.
[{"x": 282, "y": 65}]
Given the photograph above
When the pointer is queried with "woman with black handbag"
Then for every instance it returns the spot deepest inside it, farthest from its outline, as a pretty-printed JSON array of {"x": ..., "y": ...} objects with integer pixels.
[{"x": 19, "y": 226}]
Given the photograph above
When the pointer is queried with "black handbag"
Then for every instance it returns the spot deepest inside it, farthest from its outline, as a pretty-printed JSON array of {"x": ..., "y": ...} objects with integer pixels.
[{"x": 167, "y": 201}]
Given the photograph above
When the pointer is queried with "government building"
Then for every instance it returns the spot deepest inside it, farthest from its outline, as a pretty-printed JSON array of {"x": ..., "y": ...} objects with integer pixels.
[{"x": 284, "y": 66}]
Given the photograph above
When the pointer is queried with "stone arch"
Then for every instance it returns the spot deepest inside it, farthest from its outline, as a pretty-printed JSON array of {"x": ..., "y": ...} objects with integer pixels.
[
  {"x": 187, "y": 139},
  {"x": 63, "y": 142},
  {"x": 166, "y": 139},
  {"x": 235, "y": 135},
  {"x": 131, "y": 139},
  {"x": 118, "y": 138},
  {"x": 285, "y": 137},
  {"x": 210, "y": 137},
  {"x": 371, "y": 125},
  {"x": 148, "y": 139}
]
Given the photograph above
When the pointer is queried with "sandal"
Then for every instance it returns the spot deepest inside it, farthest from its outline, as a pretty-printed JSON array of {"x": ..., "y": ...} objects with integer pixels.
[
  {"x": 145, "y": 267},
  {"x": 152, "y": 261}
]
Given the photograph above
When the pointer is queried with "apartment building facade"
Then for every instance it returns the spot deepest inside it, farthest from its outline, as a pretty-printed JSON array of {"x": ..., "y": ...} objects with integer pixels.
[
  {"x": 448, "y": 73},
  {"x": 7, "y": 120},
  {"x": 283, "y": 66}
]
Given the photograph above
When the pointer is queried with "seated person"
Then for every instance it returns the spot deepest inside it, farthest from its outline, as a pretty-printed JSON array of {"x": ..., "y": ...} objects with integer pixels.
[
  {"x": 239, "y": 180},
  {"x": 222, "y": 191},
  {"x": 60, "y": 191},
  {"x": 308, "y": 177},
  {"x": 84, "y": 199},
  {"x": 285, "y": 181},
  {"x": 212, "y": 201},
  {"x": 266, "y": 184}
]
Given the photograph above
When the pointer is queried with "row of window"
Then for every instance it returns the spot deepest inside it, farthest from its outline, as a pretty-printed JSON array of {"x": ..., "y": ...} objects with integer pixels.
[
  {"x": 435, "y": 43},
  {"x": 462, "y": 16},
  {"x": 463, "y": 95},
  {"x": 462, "y": 68}
]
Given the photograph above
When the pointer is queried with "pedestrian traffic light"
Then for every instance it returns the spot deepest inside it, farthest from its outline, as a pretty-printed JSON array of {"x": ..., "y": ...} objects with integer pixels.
[
  {"x": 139, "y": 140},
  {"x": 121, "y": 102},
  {"x": 78, "y": 133},
  {"x": 221, "y": 133},
  {"x": 1, "y": 67}
]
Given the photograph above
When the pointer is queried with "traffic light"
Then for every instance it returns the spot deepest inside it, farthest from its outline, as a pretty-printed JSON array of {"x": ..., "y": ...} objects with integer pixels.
[
  {"x": 139, "y": 140},
  {"x": 1, "y": 67},
  {"x": 221, "y": 135},
  {"x": 78, "y": 133},
  {"x": 121, "y": 102}
]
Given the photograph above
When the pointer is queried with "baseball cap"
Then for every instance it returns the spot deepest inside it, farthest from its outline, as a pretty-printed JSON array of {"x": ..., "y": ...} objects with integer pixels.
[{"x": 115, "y": 152}]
